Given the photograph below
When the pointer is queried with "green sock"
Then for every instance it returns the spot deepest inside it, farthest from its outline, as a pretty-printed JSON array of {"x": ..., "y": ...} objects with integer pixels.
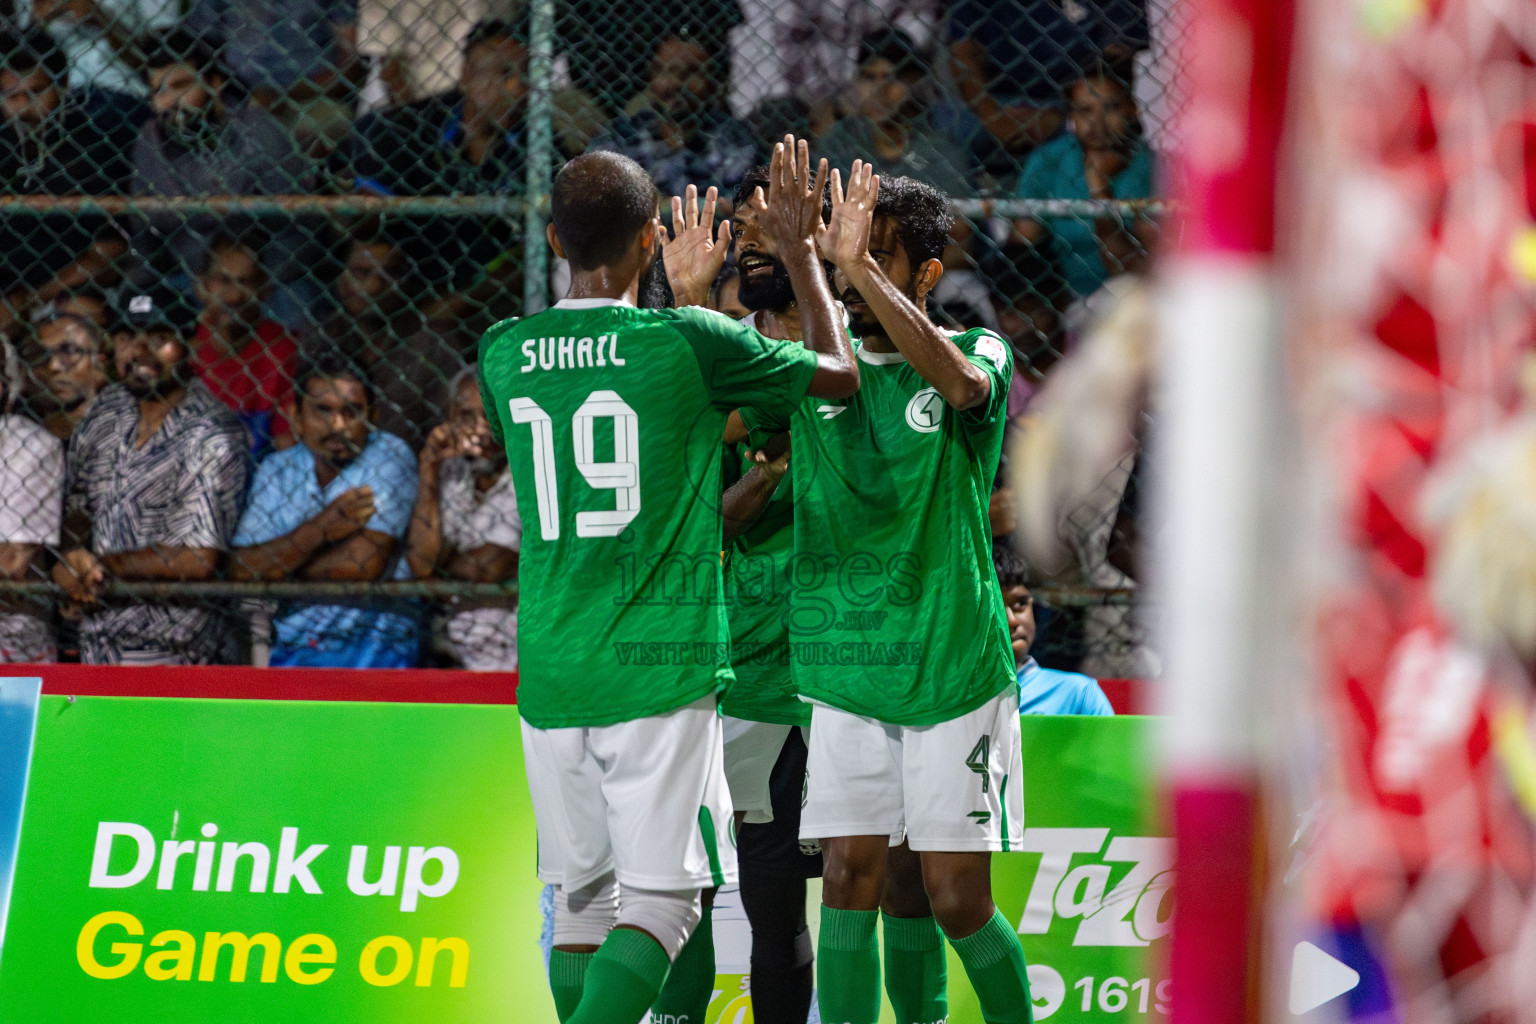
[
  {"x": 567, "y": 975},
  {"x": 994, "y": 960},
  {"x": 914, "y": 969},
  {"x": 622, "y": 980},
  {"x": 848, "y": 967},
  {"x": 691, "y": 983}
]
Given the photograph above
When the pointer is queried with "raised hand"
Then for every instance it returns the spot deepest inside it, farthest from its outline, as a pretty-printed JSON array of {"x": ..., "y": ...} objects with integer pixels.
[
  {"x": 845, "y": 238},
  {"x": 790, "y": 215},
  {"x": 694, "y": 252}
]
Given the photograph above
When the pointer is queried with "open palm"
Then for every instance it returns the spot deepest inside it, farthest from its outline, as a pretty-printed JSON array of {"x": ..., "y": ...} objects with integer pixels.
[
  {"x": 844, "y": 239},
  {"x": 693, "y": 252}
]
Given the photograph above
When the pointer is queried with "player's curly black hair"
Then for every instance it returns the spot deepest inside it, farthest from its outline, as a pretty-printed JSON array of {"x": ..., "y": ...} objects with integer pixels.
[
  {"x": 922, "y": 217},
  {"x": 599, "y": 202},
  {"x": 757, "y": 177}
]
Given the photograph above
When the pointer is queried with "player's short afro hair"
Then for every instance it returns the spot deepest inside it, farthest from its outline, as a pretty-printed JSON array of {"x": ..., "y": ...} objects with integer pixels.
[
  {"x": 922, "y": 217},
  {"x": 600, "y": 201}
]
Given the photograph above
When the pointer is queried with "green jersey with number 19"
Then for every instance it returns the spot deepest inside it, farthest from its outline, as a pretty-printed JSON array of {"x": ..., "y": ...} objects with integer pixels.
[
  {"x": 611, "y": 417},
  {"x": 895, "y": 609}
]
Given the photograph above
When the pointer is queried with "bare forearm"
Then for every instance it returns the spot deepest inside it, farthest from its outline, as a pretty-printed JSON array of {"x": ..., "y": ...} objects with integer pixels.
[
  {"x": 745, "y": 500},
  {"x": 488, "y": 563},
  {"x": 278, "y": 559},
  {"x": 16, "y": 560},
  {"x": 961, "y": 383},
  {"x": 821, "y": 326},
  {"x": 424, "y": 539},
  {"x": 359, "y": 558},
  {"x": 163, "y": 563}
]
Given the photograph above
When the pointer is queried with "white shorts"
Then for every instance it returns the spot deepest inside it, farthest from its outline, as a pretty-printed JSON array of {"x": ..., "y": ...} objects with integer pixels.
[
  {"x": 954, "y": 787},
  {"x": 751, "y": 751},
  {"x": 645, "y": 799}
]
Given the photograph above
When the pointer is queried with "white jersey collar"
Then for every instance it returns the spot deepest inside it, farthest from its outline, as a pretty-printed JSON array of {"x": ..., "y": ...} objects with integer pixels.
[
  {"x": 592, "y": 303},
  {"x": 880, "y": 358}
]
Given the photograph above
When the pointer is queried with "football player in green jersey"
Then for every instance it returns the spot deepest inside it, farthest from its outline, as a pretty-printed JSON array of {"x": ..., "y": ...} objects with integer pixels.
[
  {"x": 761, "y": 707},
  {"x": 897, "y": 624},
  {"x": 611, "y": 417}
]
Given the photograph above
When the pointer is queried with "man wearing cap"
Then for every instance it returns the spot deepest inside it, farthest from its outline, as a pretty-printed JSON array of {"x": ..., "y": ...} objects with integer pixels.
[{"x": 159, "y": 469}]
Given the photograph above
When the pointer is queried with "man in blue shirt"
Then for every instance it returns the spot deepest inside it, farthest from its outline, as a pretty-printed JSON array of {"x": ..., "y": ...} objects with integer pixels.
[
  {"x": 333, "y": 507},
  {"x": 1042, "y": 691}
]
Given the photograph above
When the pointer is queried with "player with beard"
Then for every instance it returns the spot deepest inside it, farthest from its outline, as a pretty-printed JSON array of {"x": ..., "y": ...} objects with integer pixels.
[
  {"x": 611, "y": 418},
  {"x": 916, "y": 721},
  {"x": 763, "y": 754}
]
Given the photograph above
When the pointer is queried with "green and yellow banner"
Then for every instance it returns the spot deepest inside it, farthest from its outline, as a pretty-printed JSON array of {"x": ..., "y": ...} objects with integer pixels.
[{"x": 286, "y": 860}]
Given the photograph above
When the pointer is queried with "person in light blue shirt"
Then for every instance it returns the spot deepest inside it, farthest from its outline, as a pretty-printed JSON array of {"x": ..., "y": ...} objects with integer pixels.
[
  {"x": 1102, "y": 157},
  {"x": 1042, "y": 691},
  {"x": 333, "y": 507}
]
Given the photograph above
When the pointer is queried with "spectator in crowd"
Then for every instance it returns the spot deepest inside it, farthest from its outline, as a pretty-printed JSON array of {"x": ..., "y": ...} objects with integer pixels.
[
  {"x": 382, "y": 326},
  {"x": 31, "y": 511},
  {"x": 889, "y": 126},
  {"x": 466, "y": 527},
  {"x": 1014, "y": 59},
  {"x": 679, "y": 132},
  {"x": 160, "y": 467},
  {"x": 725, "y": 293},
  {"x": 53, "y": 144},
  {"x": 465, "y": 142},
  {"x": 246, "y": 360},
  {"x": 99, "y": 37},
  {"x": 611, "y": 47},
  {"x": 68, "y": 356},
  {"x": 1103, "y": 157},
  {"x": 1042, "y": 691},
  {"x": 196, "y": 144},
  {"x": 281, "y": 49},
  {"x": 333, "y": 507}
]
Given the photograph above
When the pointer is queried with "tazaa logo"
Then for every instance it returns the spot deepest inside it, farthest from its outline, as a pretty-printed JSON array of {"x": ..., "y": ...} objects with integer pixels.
[{"x": 1073, "y": 881}]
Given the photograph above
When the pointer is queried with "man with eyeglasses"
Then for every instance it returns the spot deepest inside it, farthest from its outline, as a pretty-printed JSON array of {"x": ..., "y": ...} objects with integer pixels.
[{"x": 68, "y": 359}]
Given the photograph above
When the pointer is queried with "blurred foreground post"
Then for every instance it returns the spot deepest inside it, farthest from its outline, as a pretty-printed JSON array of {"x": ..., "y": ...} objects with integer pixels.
[{"x": 1222, "y": 400}]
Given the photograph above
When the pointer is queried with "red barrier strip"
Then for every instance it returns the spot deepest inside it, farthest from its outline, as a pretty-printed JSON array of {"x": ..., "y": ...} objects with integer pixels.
[
  {"x": 405, "y": 686},
  {"x": 239, "y": 682}
]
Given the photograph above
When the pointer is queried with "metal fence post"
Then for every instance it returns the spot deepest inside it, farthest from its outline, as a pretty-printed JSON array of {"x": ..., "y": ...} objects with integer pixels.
[{"x": 541, "y": 42}]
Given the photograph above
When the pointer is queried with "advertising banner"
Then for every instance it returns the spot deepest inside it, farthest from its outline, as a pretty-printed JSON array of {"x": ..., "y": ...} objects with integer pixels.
[{"x": 291, "y": 860}]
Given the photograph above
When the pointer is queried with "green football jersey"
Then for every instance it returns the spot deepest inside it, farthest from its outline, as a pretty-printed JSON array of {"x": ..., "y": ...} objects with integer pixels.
[
  {"x": 757, "y": 601},
  {"x": 612, "y": 417},
  {"x": 895, "y": 609}
]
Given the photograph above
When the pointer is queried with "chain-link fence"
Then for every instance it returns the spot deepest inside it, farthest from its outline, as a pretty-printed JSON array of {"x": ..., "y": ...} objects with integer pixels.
[{"x": 249, "y": 248}]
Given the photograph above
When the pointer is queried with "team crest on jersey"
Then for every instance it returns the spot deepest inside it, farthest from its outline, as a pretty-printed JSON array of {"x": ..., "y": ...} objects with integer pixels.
[
  {"x": 925, "y": 412},
  {"x": 990, "y": 349}
]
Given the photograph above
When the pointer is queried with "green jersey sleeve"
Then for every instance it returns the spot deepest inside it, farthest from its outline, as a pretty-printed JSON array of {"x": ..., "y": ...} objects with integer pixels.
[
  {"x": 993, "y": 356},
  {"x": 762, "y": 424},
  {"x": 740, "y": 367}
]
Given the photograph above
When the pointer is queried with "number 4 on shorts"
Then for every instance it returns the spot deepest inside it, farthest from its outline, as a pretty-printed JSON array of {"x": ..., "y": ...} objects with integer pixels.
[{"x": 977, "y": 760}]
